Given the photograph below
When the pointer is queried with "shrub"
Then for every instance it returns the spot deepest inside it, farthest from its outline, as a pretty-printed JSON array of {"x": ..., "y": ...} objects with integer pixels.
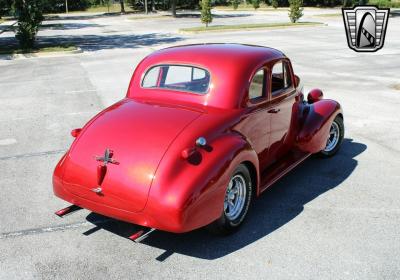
[
  {"x": 29, "y": 14},
  {"x": 275, "y": 4},
  {"x": 295, "y": 10},
  {"x": 206, "y": 16},
  {"x": 256, "y": 4}
]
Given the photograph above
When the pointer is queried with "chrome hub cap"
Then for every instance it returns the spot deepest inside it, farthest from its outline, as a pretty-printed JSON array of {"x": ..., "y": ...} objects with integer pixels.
[
  {"x": 333, "y": 138},
  {"x": 235, "y": 197}
]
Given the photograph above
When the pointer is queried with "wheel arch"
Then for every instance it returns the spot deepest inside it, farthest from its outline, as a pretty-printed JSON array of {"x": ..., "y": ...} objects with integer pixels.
[{"x": 253, "y": 175}]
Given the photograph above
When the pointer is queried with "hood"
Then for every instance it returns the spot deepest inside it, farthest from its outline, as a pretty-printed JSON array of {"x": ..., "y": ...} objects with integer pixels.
[{"x": 138, "y": 134}]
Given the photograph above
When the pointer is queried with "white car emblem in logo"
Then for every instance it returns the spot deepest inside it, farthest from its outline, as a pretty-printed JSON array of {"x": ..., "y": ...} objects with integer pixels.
[{"x": 365, "y": 27}]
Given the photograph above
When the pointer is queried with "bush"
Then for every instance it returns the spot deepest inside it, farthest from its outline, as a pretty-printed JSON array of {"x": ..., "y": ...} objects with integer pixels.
[
  {"x": 206, "y": 16},
  {"x": 256, "y": 4},
  {"x": 235, "y": 4},
  {"x": 29, "y": 14},
  {"x": 275, "y": 4},
  {"x": 295, "y": 10}
]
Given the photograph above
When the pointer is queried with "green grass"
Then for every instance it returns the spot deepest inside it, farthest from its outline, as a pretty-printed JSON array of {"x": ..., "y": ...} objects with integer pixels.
[
  {"x": 246, "y": 26},
  {"x": 328, "y": 15},
  {"x": 114, "y": 8},
  {"x": 245, "y": 7},
  {"x": 1, "y": 20},
  {"x": 385, "y": 3},
  {"x": 150, "y": 17},
  {"x": 40, "y": 49}
]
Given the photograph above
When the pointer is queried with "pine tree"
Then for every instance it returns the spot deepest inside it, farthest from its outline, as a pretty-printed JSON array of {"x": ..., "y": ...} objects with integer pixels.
[
  {"x": 29, "y": 19},
  {"x": 295, "y": 10},
  {"x": 206, "y": 16}
]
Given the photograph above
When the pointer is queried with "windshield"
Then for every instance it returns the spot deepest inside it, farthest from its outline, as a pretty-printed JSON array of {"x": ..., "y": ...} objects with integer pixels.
[{"x": 177, "y": 77}]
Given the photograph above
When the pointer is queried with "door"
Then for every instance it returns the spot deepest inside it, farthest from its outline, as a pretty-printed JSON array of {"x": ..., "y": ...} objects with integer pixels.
[
  {"x": 280, "y": 109},
  {"x": 256, "y": 123}
]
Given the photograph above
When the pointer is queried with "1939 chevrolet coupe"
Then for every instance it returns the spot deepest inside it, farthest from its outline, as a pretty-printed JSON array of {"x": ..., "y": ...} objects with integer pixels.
[{"x": 203, "y": 130}]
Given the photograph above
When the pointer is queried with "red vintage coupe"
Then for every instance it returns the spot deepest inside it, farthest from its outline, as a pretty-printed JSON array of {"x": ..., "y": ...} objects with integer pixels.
[{"x": 203, "y": 130}]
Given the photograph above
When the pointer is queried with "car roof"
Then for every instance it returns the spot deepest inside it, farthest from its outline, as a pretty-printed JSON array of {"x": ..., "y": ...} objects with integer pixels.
[
  {"x": 231, "y": 67},
  {"x": 211, "y": 53}
]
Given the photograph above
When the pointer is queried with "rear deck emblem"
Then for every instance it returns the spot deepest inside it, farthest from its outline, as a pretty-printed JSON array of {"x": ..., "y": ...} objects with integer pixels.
[
  {"x": 365, "y": 27},
  {"x": 102, "y": 168},
  {"x": 107, "y": 158}
]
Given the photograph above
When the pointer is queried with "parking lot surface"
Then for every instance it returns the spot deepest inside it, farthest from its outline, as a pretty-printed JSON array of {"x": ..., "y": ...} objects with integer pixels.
[{"x": 328, "y": 219}]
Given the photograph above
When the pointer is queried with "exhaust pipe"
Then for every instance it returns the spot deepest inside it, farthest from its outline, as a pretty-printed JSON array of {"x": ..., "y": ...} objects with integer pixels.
[
  {"x": 67, "y": 210},
  {"x": 141, "y": 235}
]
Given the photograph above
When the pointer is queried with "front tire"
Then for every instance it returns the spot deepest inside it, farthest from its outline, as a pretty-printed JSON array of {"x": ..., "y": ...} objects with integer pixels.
[
  {"x": 335, "y": 138},
  {"x": 238, "y": 197}
]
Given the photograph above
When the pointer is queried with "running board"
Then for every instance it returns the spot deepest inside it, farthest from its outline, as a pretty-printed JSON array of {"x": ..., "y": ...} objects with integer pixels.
[
  {"x": 279, "y": 169},
  {"x": 141, "y": 235},
  {"x": 67, "y": 210}
]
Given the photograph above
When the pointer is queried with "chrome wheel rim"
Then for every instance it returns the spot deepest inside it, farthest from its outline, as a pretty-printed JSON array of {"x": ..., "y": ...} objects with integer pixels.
[
  {"x": 333, "y": 137},
  {"x": 235, "y": 197}
]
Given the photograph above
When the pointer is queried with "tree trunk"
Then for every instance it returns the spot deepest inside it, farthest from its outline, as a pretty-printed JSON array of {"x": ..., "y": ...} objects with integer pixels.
[
  {"x": 122, "y": 6},
  {"x": 153, "y": 6},
  {"x": 173, "y": 8},
  {"x": 66, "y": 6},
  {"x": 145, "y": 7}
]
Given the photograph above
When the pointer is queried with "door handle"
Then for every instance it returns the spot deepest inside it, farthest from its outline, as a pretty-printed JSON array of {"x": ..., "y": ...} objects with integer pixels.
[{"x": 274, "y": 111}]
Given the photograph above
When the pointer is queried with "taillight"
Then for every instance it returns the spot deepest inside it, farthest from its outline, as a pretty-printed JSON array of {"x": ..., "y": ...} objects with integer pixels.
[{"x": 75, "y": 132}]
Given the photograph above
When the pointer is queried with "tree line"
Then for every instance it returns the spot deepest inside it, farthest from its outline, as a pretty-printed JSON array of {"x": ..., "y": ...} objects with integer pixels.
[{"x": 8, "y": 7}]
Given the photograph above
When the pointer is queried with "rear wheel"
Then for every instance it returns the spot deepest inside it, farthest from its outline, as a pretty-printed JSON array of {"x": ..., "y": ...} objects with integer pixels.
[
  {"x": 335, "y": 138},
  {"x": 238, "y": 196}
]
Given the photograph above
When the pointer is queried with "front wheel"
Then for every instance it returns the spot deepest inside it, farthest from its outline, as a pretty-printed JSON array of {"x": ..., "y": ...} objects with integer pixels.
[
  {"x": 335, "y": 138},
  {"x": 238, "y": 196}
]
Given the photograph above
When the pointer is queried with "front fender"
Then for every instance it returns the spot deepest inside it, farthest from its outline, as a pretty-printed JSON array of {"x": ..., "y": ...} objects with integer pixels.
[
  {"x": 189, "y": 194},
  {"x": 316, "y": 122}
]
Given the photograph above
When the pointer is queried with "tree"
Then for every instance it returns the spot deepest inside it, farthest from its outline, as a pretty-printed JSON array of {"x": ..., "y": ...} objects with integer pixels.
[
  {"x": 5, "y": 7},
  {"x": 275, "y": 4},
  {"x": 256, "y": 4},
  {"x": 29, "y": 18},
  {"x": 122, "y": 6},
  {"x": 173, "y": 8},
  {"x": 295, "y": 10},
  {"x": 206, "y": 16},
  {"x": 235, "y": 4}
]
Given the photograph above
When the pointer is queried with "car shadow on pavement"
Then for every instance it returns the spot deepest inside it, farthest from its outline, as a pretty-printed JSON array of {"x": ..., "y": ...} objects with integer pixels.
[
  {"x": 279, "y": 205},
  {"x": 68, "y": 26},
  {"x": 98, "y": 42}
]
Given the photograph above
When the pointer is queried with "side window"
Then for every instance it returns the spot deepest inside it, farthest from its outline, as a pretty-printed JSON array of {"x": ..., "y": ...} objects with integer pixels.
[
  {"x": 281, "y": 78},
  {"x": 257, "y": 85}
]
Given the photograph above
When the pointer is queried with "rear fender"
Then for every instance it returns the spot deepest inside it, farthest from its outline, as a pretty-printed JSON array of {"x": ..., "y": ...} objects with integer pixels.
[
  {"x": 316, "y": 122},
  {"x": 192, "y": 190}
]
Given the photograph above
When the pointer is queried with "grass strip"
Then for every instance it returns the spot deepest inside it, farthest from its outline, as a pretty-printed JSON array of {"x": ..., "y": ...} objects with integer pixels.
[
  {"x": 213, "y": 28},
  {"x": 40, "y": 49}
]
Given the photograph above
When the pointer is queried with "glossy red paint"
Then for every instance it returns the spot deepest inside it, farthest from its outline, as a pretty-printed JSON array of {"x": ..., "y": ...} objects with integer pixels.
[
  {"x": 163, "y": 180},
  {"x": 315, "y": 95},
  {"x": 75, "y": 132}
]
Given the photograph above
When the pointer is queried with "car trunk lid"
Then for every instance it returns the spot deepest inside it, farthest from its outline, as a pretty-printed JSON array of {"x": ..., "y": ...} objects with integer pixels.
[{"x": 137, "y": 135}]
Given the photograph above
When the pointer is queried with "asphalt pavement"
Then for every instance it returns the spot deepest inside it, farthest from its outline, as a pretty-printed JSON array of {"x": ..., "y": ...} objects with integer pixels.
[{"x": 328, "y": 219}]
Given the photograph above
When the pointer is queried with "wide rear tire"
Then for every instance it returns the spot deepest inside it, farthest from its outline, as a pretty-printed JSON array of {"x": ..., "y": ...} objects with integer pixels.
[{"x": 238, "y": 198}]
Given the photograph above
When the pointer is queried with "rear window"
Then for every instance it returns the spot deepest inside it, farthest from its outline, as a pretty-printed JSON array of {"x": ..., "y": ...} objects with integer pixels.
[{"x": 177, "y": 77}]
